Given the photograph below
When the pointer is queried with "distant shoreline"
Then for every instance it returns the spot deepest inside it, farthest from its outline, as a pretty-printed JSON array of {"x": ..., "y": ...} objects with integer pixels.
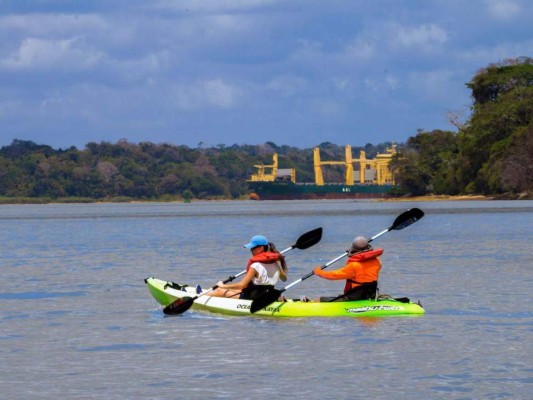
[
  {"x": 428, "y": 198},
  {"x": 434, "y": 197}
]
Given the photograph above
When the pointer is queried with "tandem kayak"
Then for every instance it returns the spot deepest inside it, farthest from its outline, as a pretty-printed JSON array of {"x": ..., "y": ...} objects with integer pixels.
[{"x": 166, "y": 292}]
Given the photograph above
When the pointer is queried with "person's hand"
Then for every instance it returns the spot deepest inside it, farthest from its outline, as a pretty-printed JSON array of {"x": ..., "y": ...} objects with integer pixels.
[
  {"x": 317, "y": 270},
  {"x": 220, "y": 284}
]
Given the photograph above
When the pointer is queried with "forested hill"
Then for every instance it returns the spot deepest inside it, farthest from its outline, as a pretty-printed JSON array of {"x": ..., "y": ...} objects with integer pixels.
[
  {"x": 491, "y": 153},
  {"x": 149, "y": 171}
]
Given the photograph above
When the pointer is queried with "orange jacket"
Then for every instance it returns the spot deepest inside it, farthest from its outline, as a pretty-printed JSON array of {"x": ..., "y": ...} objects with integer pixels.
[{"x": 360, "y": 268}]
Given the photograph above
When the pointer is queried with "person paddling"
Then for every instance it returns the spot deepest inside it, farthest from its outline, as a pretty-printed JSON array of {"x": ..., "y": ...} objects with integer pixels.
[
  {"x": 361, "y": 272},
  {"x": 265, "y": 268}
]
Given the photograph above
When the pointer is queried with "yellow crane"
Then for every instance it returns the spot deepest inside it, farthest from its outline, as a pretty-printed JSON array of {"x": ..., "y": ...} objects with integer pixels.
[
  {"x": 279, "y": 174},
  {"x": 379, "y": 167},
  {"x": 369, "y": 171}
]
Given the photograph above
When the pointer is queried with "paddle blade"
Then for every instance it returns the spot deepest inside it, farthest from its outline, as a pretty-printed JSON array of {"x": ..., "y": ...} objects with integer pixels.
[
  {"x": 179, "y": 306},
  {"x": 265, "y": 299},
  {"x": 309, "y": 239},
  {"x": 407, "y": 218}
]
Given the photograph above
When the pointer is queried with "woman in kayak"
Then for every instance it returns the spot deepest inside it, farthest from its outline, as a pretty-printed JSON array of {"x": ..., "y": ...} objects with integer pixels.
[
  {"x": 265, "y": 267},
  {"x": 361, "y": 272}
]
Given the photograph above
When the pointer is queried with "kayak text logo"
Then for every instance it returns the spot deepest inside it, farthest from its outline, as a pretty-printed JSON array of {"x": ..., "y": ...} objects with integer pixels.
[
  {"x": 372, "y": 308},
  {"x": 245, "y": 306}
]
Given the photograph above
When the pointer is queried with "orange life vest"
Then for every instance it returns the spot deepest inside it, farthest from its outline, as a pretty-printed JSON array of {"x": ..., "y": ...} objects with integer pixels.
[
  {"x": 361, "y": 268},
  {"x": 266, "y": 257}
]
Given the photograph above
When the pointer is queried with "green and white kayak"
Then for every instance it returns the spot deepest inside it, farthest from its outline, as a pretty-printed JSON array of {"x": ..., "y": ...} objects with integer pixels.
[{"x": 166, "y": 292}]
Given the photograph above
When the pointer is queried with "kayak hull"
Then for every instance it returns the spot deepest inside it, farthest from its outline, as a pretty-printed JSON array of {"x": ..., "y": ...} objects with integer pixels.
[{"x": 166, "y": 292}]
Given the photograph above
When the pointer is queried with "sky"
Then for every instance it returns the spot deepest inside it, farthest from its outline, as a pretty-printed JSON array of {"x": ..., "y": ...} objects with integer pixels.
[{"x": 205, "y": 73}]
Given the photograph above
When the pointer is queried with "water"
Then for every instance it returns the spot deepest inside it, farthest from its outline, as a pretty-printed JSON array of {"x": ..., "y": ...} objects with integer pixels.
[{"x": 77, "y": 322}]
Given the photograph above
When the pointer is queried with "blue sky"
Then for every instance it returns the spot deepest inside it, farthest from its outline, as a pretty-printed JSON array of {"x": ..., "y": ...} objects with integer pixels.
[{"x": 293, "y": 72}]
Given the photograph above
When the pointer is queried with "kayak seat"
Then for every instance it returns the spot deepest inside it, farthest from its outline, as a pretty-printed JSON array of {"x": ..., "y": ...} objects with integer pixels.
[
  {"x": 389, "y": 297},
  {"x": 403, "y": 299},
  {"x": 366, "y": 291}
]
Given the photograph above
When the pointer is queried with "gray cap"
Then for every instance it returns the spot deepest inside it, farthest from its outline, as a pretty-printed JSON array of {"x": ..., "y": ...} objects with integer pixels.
[{"x": 360, "y": 243}]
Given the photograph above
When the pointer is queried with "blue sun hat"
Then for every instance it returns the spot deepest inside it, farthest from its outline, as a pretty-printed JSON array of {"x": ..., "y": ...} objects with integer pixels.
[{"x": 257, "y": 240}]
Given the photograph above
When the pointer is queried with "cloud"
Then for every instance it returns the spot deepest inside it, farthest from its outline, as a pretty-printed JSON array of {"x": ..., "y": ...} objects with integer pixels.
[
  {"x": 328, "y": 108},
  {"x": 213, "y": 93},
  {"x": 360, "y": 50},
  {"x": 303, "y": 67},
  {"x": 503, "y": 9},
  {"x": 439, "y": 86},
  {"x": 52, "y": 25},
  {"x": 287, "y": 85},
  {"x": 52, "y": 54},
  {"x": 10, "y": 108},
  {"x": 345, "y": 61},
  {"x": 482, "y": 55},
  {"x": 212, "y": 5},
  {"x": 423, "y": 36},
  {"x": 388, "y": 82},
  {"x": 207, "y": 30},
  {"x": 341, "y": 83}
]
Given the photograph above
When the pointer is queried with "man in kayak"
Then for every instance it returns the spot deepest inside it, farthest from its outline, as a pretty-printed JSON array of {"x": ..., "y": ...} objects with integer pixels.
[
  {"x": 361, "y": 272},
  {"x": 265, "y": 268}
]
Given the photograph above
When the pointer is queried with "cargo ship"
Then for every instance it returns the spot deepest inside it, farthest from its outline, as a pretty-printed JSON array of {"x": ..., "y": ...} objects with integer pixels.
[{"x": 371, "y": 178}]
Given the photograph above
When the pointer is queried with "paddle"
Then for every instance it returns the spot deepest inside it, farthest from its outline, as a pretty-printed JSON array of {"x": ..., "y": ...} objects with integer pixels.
[
  {"x": 182, "y": 304},
  {"x": 402, "y": 221}
]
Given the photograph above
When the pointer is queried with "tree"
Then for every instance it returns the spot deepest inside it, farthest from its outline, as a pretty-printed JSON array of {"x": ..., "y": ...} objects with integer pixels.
[
  {"x": 491, "y": 82},
  {"x": 517, "y": 166},
  {"x": 502, "y": 110},
  {"x": 424, "y": 165}
]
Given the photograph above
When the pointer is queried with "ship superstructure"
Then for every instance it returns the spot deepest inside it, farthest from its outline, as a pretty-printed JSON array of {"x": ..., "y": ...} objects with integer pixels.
[{"x": 370, "y": 178}]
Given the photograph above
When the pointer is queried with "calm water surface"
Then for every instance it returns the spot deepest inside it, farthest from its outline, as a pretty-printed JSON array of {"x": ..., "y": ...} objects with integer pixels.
[{"x": 77, "y": 322}]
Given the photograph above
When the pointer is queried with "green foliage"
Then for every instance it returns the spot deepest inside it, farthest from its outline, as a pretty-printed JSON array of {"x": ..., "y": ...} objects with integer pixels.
[
  {"x": 502, "y": 113},
  {"x": 125, "y": 171},
  {"x": 490, "y": 83},
  {"x": 424, "y": 165},
  {"x": 517, "y": 164}
]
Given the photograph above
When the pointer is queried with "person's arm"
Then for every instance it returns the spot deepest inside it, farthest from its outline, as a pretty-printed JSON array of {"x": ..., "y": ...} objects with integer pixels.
[
  {"x": 282, "y": 273},
  {"x": 345, "y": 272},
  {"x": 244, "y": 282}
]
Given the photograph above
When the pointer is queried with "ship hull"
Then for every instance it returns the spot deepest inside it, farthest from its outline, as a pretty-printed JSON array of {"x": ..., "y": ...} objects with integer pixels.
[{"x": 308, "y": 191}]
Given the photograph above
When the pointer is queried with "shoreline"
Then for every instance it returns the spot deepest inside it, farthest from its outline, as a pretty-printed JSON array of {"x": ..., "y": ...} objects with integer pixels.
[
  {"x": 426, "y": 198},
  {"x": 434, "y": 197}
]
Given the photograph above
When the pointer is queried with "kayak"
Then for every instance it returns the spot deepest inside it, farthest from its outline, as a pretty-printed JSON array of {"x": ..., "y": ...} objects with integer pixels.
[{"x": 166, "y": 292}]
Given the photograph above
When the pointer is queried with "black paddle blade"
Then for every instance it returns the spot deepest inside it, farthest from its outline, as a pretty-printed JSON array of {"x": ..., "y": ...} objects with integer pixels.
[
  {"x": 179, "y": 306},
  {"x": 309, "y": 239},
  {"x": 265, "y": 299},
  {"x": 407, "y": 218}
]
